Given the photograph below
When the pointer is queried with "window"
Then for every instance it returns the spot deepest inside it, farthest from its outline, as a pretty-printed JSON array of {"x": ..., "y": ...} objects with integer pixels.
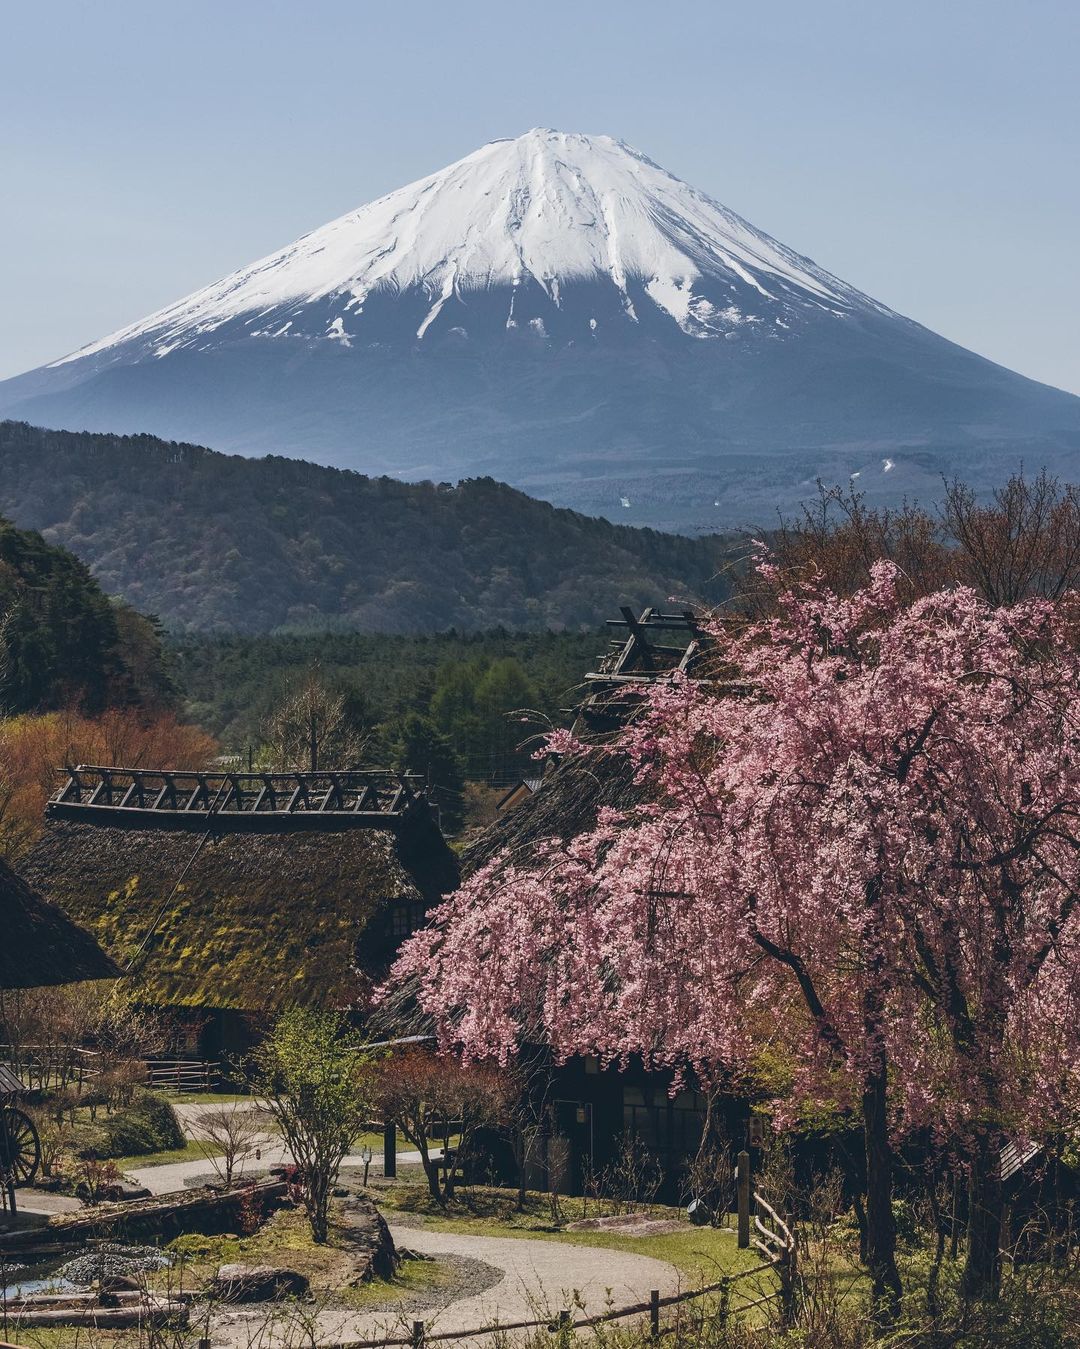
[
  {"x": 406, "y": 916},
  {"x": 671, "y": 1128}
]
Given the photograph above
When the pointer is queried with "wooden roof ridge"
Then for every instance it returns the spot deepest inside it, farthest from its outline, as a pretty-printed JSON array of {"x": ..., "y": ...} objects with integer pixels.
[
  {"x": 221, "y": 799},
  {"x": 656, "y": 645}
]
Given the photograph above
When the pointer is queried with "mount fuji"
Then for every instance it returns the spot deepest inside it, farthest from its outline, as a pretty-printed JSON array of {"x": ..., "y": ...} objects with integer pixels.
[{"x": 559, "y": 312}]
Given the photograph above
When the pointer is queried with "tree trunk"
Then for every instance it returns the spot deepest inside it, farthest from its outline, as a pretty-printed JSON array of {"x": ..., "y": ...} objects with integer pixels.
[
  {"x": 933, "y": 1279},
  {"x": 318, "y": 1189},
  {"x": 885, "y": 1286},
  {"x": 431, "y": 1171},
  {"x": 520, "y": 1152},
  {"x": 982, "y": 1269}
]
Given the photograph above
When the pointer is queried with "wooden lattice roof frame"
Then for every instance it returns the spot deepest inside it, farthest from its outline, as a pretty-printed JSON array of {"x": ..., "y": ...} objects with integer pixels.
[
  {"x": 142, "y": 798},
  {"x": 656, "y": 645}
]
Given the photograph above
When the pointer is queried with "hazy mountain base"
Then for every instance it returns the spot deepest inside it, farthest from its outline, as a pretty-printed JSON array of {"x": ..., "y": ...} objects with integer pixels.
[{"x": 639, "y": 411}]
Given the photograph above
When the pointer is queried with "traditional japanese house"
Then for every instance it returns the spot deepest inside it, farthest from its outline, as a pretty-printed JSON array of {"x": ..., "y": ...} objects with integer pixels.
[
  {"x": 228, "y": 896},
  {"x": 39, "y": 947},
  {"x": 590, "y": 1109}
]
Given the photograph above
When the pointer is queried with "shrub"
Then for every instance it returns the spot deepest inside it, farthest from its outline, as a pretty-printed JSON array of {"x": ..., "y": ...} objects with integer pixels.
[{"x": 148, "y": 1124}]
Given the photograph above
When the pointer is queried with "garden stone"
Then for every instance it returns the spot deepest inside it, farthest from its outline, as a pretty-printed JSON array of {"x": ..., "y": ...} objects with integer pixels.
[{"x": 259, "y": 1283}]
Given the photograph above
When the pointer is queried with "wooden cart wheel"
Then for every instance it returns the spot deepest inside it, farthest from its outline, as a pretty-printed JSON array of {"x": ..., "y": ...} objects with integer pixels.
[{"x": 20, "y": 1147}]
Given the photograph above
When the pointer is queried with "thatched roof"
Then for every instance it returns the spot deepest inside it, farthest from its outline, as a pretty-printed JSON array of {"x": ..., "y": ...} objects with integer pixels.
[
  {"x": 39, "y": 944},
  {"x": 569, "y": 798},
  {"x": 242, "y": 920},
  {"x": 567, "y": 803}
]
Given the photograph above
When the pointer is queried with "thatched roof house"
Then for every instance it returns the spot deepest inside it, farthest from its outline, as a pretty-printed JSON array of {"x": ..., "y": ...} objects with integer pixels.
[
  {"x": 573, "y": 791},
  {"x": 40, "y": 945},
  {"x": 218, "y": 899}
]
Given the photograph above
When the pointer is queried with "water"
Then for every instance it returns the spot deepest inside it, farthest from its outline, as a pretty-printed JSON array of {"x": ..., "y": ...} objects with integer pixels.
[
  {"x": 79, "y": 1270},
  {"x": 40, "y": 1276}
]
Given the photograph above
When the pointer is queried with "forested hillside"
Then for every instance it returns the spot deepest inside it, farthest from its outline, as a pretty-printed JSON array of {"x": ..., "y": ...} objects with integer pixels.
[
  {"x": 213, "y": 542},
  {"x": 83, "y": 679},
  {"x": 63, "y": 642}
]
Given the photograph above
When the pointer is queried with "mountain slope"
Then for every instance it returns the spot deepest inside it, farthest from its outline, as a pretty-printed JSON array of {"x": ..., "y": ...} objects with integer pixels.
[
  {"x": 216, "y": 542},
  {"x": 560, "y": 312}
]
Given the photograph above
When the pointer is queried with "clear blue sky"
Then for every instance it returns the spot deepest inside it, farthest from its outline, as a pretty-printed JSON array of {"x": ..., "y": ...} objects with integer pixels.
[{"x": 927, "y": 152}]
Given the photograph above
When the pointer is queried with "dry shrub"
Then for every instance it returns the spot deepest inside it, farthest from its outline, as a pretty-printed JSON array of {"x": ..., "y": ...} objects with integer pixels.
[{"x": 35, "y": 749}]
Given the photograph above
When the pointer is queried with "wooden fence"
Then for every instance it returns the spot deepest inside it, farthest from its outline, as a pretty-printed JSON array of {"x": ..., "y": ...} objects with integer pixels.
[
  {"x": 419, "y": 1336},
  {"x": 183, "y": 1075},
  {"x": 54, "y": 1067}
]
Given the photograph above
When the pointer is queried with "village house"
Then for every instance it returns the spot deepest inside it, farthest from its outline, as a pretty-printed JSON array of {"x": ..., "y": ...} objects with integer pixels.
[{"x": 229, "y": 896}]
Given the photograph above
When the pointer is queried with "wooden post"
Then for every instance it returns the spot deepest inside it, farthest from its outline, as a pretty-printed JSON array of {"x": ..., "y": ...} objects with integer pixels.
[
  {"x": 389, "y": 1151},
  {"x": 416, "y": 1339},
  {"x": 743, "y": 1186},
  {"x": 654, "y": 1313}
]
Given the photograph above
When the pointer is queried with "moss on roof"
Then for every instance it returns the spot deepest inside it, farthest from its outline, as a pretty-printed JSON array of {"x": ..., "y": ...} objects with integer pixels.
[{"x": 256, "y": 922}]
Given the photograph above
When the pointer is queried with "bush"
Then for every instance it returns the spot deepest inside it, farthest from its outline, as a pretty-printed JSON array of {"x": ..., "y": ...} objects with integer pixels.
[{"x": 148, "y": 1124}]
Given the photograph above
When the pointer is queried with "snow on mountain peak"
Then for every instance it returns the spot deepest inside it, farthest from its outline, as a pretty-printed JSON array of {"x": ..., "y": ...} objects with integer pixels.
[{"x": 548, "y": 208}]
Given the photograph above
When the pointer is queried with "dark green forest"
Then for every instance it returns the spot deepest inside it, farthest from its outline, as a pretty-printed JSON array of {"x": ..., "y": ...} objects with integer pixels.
[
  {"x": 63, "y": 642},
  {"x": 219, "y": 543},
  {"x": 465, "y": 689}
]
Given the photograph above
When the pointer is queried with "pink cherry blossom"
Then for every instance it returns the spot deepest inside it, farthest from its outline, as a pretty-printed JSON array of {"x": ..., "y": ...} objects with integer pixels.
[{"x": 859, "y": 856}]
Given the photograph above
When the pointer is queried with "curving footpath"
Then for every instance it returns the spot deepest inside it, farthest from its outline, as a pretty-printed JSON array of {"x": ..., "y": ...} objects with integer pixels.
[
  {"x": 273, "y": 1152},
  {"x": 538, "y": 1279}
]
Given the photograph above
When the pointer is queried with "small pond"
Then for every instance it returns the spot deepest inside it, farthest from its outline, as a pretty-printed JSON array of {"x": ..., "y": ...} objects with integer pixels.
[{"x": 79, "y": 1269}]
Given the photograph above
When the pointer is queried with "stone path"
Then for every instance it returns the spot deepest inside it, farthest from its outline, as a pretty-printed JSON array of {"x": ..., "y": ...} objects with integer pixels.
[{"x": 538, "y": 1279}]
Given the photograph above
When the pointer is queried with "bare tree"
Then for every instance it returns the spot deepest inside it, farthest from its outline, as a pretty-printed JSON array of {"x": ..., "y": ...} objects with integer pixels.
[
  {"x": 228, "y": 1135},
  {"x": 420, "y": 1092},
  {"x": 314, "y": 727},
  {"x": 1024, "y": 541}
]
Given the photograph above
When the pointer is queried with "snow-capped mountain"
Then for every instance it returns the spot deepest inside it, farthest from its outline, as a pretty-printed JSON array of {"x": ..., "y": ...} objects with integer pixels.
[{"x": 559, "y": 311}]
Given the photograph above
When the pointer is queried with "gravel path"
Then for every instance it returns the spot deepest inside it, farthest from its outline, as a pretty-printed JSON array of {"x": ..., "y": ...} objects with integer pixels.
[
  {"x": 536, "y": 1278},
  {"x": 176, "y": 1175}
]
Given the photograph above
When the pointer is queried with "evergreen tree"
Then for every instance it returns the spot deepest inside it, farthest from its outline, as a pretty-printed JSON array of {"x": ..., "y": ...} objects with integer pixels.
[{"x": 420, "y": 747}]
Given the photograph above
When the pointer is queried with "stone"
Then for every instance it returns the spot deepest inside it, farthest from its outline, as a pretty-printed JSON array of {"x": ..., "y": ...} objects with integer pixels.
[
  {"x": 370, "y": 1243},
  {"x": 120, "y": 1283},
  {"x": 259, "y": 1283}
]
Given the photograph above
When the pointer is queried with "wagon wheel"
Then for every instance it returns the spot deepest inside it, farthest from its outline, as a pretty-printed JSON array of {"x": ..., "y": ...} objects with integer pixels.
[{"x": 20, "y": 1147}]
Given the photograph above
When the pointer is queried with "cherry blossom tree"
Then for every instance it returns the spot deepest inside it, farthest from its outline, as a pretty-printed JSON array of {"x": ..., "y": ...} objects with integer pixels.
[{"x": 860, "y": 847}]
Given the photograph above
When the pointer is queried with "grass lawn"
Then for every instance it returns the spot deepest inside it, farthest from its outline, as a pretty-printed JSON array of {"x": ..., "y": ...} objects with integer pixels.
[
  {"x": 192, "y": 1152},
  {"x": 372, "y": 1141},
  {"x": 701, "y": 1254},
  {"x": 286, "y": 1239}
]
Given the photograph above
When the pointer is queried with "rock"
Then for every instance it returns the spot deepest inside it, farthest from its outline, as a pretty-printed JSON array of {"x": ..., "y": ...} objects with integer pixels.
[
  {"x": 370, "y": 1242},
  {"x": 120, "y": 1283},
  {"x": 340, "y": 1192},
  {"x": 158, "y": 1218},
  {"x": 699, "y": 1213},
  {"x": 259, "y": 1283},
  {"x": 122, "y": 1192}
]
